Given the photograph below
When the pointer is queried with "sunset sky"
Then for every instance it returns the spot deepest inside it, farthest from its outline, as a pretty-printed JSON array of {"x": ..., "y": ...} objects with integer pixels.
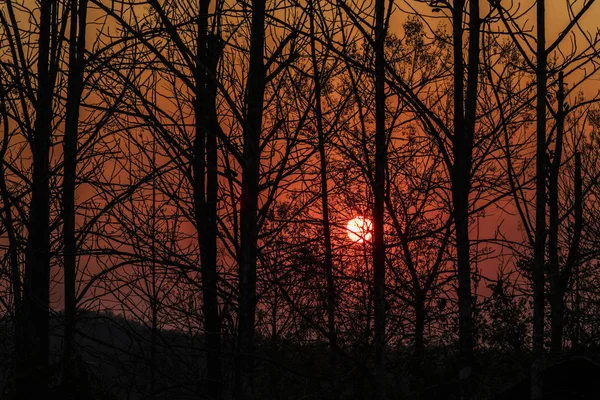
[{"x": 292, "y": 199}]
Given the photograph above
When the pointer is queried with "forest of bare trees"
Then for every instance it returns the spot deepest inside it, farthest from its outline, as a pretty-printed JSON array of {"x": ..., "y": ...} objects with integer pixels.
[{"x": 299, "y": 199}]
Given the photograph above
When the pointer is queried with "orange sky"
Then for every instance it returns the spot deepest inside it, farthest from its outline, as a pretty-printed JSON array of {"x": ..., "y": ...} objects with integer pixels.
[{"x": 557, "y": 19}]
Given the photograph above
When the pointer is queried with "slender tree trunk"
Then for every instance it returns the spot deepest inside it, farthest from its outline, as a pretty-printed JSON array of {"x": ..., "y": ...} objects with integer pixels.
[
  {"x": 255, "y": 89},
  {"x": 325, "y": 213},
  {"x": 75, "y": 89},
  {"x": 154, "y": 303},
  {"x": 210, "y": 275},
  {"x": 8, "y": 222},
  {"x": 464, "y": 130},
  {"x": 574, "y": 256},
  {"x": 557, "y": 312},
  {"x": 556, "y": 283},
  {"x": 379, "y": 201},
  {"x": 205, "y": 193},
  {"x": 419, "y": 339},
  {"x": 274, "y": 370},
  {"x": 32, "y": 372},
  {"x": 540, "y": 210},
  {"x": 153, "y": 333},
  {"x": 419, "y": 342}
]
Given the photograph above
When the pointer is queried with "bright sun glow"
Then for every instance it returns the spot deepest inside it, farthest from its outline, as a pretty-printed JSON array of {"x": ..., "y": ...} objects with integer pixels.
[{"x": 360, "y": 229}]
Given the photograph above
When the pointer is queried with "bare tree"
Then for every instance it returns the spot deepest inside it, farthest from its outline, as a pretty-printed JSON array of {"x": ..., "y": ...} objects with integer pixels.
[
  {"x": 77, "y": 49},
  {"x": 464, "y": 133},
  {"x": 323, "y": 170},
  {"x": 539, "y": 65},
  {"x": 36, "y": 87},
  {"x": 247, "y": 255},
  {"x": 381, "y": 143}
]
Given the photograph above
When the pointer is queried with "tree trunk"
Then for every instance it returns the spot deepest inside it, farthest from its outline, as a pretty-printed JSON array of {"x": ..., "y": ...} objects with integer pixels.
[
  {"x": 573, "y": 259},
  {"x": 206, "y": 188},
  {"x": 540, "y": 210},
  {"x": 247, "y": 256},
  {"x": 210, "y": 274},
  {"x": 379, "y": 203},
  {"x": 556, "y": 284},
  {"x": 74, "y": 91},
  {"x": 419, "y": 340},
  {"x": 557, "y": 312},
  {"x": 153, "y": 296},
  {"x": 32, "y": 371},
  {"x": 8, "y": 222},
  {"x": 464, "y": 130},
  {"x": 325, "y": 213}
]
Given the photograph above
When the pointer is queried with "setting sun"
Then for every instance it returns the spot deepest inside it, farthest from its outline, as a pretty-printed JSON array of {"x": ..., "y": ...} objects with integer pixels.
[{"x": 359, "y": 229}]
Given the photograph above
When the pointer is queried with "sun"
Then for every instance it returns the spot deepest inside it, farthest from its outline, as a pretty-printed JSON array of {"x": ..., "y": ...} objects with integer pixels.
[{"x": 360, "y": 229}]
